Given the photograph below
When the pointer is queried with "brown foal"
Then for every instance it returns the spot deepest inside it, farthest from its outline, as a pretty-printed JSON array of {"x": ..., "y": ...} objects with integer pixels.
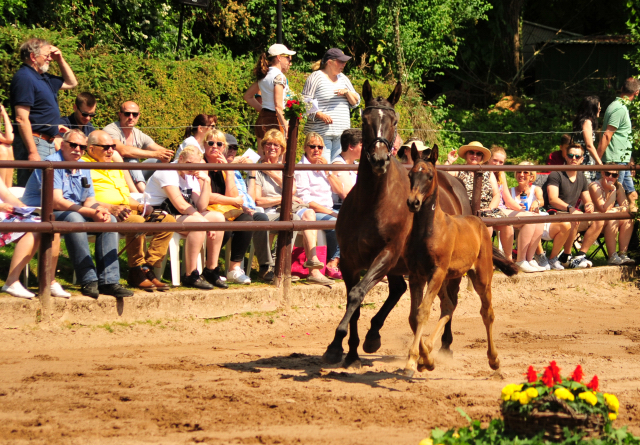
[{"x": 441, "y": 248}]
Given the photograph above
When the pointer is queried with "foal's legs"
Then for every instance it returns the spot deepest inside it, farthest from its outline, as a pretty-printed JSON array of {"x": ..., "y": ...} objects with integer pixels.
[
  {"x": 378, "y": 269},
  {"x": 453, "y": 288},
  {"x": 397, "y": 288},
  {"x": 482, "y": 284}
]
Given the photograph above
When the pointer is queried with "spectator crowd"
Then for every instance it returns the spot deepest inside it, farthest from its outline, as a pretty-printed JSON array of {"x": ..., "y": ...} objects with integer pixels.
[{"x": 39, "y": 132}]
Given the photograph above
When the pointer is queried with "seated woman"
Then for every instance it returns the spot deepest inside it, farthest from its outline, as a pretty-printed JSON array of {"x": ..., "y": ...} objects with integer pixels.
[
  {"x": 194, "y": 135},
  {"x": 226, "y": 200},
  {"x": 475, "y": 154},
  {"x": 267, "y": 193},
  {"x": 608, "y": 196},
  {"x": 315, "y": 188},
  {"x": 185, "y": 195}
]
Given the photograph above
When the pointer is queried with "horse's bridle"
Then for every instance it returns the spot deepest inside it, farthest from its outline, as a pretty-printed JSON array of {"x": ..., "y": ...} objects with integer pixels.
[{"x": 379, "y": 139}]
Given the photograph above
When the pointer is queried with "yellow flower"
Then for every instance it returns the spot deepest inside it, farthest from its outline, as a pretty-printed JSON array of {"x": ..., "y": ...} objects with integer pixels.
[
  {"x": 564, "y": 394},
  {"x": 532, "y": 393},
  {"x": 456, "y": 435},
  {"x": 427, "y": 441},
  {"x": 508, "y": 390},
  {"x": 524, "y": 398},
  {"x": 588, "y": 397},
  {"x": 613, "y": 416},
  {"x": 612, "y": 402}
]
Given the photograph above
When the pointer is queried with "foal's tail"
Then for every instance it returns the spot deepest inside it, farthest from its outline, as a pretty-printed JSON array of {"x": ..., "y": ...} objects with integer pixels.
[{"x": 506, "y": 266}]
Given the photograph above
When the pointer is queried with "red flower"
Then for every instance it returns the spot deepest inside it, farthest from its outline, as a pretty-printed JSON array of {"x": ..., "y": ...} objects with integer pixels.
[
  {"x": 532, "y": 376},
  {"x": 555, "y": 371},
  {"x": 289, "y": 104},
  {"x": 577, "y": 374},
  {"x": 547, "y": 377},
  {"x": 593, "y": 384}
]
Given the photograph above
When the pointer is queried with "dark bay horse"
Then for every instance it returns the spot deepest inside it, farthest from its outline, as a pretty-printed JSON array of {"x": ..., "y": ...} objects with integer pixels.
[
  {"x": 444, "y": 247},
  {"x": 374, "y": 225}
]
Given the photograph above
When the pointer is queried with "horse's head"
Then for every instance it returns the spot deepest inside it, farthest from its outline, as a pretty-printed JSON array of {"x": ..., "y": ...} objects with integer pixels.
[
  {"x": 422, "y": 176},
  {"x": 379, "y": 127}
]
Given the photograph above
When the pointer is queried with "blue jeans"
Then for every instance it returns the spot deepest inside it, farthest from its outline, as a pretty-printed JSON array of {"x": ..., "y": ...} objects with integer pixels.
[
  {"x": 20, "y": 153},
  {"x": 108, "y": 269},
  {"x": 332, "y": 147},
  {"x": 333, "y": 250}
]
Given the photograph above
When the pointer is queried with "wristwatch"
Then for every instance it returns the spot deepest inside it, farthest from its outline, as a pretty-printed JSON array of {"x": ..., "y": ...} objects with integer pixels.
[{"x": 569, "y": 208}]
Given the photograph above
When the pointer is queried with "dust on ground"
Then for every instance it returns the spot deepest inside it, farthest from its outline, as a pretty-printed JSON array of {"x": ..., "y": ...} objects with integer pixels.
[{"x": 258, "y": 378}]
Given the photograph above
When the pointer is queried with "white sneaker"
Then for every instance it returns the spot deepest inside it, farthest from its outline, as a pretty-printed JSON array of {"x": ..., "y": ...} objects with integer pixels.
[
  {"x": 554, "y": 263},
  {"x": 58, "y": 291},
  {"x": 579, "y": 262},
  {"x": 533, "y": 263},
  {"x": 614, "y": 260},
  {"x": 542, "y": 261},
  {"x": 524, "y": 266},
  {"x": 625, "y": 259},
  {"x": 18, "y": 290},
  {"x": 237, "y": 276},
  {"x": 566, "y": 263}
]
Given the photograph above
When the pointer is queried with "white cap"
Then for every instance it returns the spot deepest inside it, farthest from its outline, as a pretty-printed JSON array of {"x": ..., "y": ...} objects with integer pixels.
[{"x": 278, "y": 49}]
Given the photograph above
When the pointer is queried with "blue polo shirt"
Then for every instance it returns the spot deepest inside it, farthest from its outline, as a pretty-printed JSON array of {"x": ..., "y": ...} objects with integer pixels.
[
  {"x": 40, "y": 92},
  {"x": 63, "y": 179},
  {"x": 71, "y": 123}
]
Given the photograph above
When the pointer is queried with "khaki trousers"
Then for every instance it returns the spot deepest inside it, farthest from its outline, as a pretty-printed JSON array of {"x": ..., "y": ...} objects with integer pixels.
[{"x": 157, "y": 247}]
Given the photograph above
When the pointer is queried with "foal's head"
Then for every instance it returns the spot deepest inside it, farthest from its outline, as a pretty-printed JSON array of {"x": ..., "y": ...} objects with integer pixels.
[
  {"x": 422, "y": 176},
  {"x": 379, "y": 127}
]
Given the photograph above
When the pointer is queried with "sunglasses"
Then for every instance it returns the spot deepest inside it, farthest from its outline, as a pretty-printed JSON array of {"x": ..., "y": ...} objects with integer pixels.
[
  {"x": 613, "y": 175},
  {"x": 213, "y": 143},
  {"x": 129, "y": 113},
  {"x": 84, "y": 114},
  {"x": 523, "y": 173},
  {"x": 74, "y": 145},
  {"x": 316, "y": 147},
  {"x": 475, "y": 153},
  {"x": 572, "y": 156},
  {"x": 105, "y": 147}
]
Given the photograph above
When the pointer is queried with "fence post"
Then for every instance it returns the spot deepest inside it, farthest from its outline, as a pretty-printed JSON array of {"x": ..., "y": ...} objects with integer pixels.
[
  {"x": 283, "y": 259},
  {"x": 477, "y": 193},
  {"x": 46, "y": 241}
]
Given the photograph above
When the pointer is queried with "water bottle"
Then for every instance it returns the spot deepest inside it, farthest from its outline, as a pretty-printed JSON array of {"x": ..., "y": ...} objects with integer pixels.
[{"x": 523, "y": 200}]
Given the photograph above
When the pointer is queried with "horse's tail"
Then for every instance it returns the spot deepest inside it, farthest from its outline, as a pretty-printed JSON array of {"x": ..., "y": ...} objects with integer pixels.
[{"x": 506, "y": 266}]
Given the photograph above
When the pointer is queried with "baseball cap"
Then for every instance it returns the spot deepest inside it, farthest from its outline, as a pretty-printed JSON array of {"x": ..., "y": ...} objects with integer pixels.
[
  {"x": 279, "y": 49},
  {"x": 336, "y": 53},
  {"x": 231, "y": 139}
]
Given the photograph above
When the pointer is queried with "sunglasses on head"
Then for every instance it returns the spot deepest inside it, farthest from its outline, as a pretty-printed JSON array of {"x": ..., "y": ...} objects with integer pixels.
[
  {"x": 131, "y": 113},
  {"x": 314, "y": 147},
  {"x": 213, "y": 143},
  {"x": 105, "y": 147},
  {"x": 85, "y": 114},
  {"x": 573, "y": 156},
  {"x": 613, "y": 175},
  {"x": 74, "y": 145}
]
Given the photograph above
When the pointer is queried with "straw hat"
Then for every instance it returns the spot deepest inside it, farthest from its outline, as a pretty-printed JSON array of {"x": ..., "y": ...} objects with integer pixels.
[
  {"x": 407, "y": 146},
  {"x": 475, "y": 146}
]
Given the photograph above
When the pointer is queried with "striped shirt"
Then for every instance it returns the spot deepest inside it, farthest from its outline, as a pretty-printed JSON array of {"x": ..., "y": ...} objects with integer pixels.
[{"x": 318, "y": 86}]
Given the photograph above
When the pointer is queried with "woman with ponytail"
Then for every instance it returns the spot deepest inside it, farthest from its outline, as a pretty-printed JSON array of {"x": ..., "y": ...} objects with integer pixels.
[{"x": 271, "y": 82}]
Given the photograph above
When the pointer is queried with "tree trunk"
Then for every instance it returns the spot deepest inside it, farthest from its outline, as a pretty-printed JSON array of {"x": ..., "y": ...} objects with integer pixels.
[{"x": 513, "y": 15}]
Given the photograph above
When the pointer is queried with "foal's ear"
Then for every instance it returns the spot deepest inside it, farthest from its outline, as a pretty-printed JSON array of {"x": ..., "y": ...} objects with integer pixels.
[
  {"x": 366, "y": 91},
  {"x": 415, "y": 155},
  {"x": 433, "y": 157},
  {"x": 395, "y": 94}
]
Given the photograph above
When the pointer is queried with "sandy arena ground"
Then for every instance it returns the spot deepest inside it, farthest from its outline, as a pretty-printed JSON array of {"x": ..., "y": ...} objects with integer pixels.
[{"x": 258, "y": 378}]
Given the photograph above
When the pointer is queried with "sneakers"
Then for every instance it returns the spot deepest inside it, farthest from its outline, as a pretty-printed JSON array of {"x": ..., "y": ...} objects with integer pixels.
[
  {"x": 524, "y": 266},
  {"x": 18, "y": 290},
  {"x": 115, "y": 290},
  {"x": 213, "y": 277},
  {"x": 614, "y": 260},
  {"x": 58, "y": 291},
  {"x": 237, "y": 276},
  {"x": 566, "y": 262},
  {"x": 533, "y": 263},
  {"x": 266, "y": 274},
  {"x": 542, "y": 261},
  {"x": 626, "y": 260},
  {"x": 90, "y": 289},
  {"x": 196, "y": 280},
  {"x": 554, "y": 264},
  {"x": 579, "y": 262},
  {"x": 334, "y": 272}
]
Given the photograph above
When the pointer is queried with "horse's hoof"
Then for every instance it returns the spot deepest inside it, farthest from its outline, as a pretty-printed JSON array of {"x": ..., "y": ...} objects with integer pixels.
[
  {"x": 446, "y": 352},
  {"x": 332, "y": 356},
  {"x": 426, "y": 366},
  {"x": 371, "y": 344},
  {"x": 497, "y": 375},
  {"x": 409, "y": 373},
  {"x": 352, "y": 363},
  {"x": 495, "y": 365}
]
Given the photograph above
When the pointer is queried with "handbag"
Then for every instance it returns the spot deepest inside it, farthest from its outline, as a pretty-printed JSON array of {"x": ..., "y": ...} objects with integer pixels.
[
  {"x": 299, "y": 257},
  {"x": 229, "y": 211}
]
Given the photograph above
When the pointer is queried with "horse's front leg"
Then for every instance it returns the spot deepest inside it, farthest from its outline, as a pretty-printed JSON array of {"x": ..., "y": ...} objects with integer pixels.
[
  {"x": 422, "y": 316},
  {"x": 446, "y": 311},
  {"x": 452, "y": 288},
  {"x": 482, "y": 285},
  {"x": 397, "y": 288},
  {"x": 355, "y": 296}
]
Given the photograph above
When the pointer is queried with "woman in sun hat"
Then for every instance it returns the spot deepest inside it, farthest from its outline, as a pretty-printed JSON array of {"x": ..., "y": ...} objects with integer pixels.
[
  {"x": 474, "y": 153},
  {"x": 272, "y": 84},
  {"x": 332, "y": 96}
]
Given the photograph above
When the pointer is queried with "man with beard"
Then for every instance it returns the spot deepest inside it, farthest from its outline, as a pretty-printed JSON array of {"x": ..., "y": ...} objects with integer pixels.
[{"x": 34, "y": 102}]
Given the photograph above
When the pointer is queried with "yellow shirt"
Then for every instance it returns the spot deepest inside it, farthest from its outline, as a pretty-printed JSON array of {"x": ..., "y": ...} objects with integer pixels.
[{"x": 109, "y": 185}]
